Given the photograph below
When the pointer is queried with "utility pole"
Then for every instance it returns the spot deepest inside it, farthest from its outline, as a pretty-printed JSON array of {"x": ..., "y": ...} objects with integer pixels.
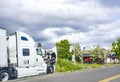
[{"x": 73, "y": 56}]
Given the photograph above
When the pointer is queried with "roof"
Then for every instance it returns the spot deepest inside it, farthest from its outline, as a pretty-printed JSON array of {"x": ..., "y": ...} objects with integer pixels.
[{"x": 86, "y": 55}]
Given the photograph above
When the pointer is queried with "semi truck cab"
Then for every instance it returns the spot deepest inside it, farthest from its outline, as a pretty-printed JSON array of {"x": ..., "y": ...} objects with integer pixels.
[{"x": 19, "y": 56}]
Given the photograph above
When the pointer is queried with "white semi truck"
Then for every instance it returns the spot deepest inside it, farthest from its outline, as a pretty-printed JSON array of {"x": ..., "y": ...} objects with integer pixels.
[{"x": 19, "y": 56}]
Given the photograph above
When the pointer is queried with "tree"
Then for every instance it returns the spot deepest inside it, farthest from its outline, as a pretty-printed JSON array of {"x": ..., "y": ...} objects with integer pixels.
[
  {"x": 98, "y": 54},
  {"x": 77, "y": 52},
  {"x": 63, "y": 49},
  {"x": 116, "y": 48}
]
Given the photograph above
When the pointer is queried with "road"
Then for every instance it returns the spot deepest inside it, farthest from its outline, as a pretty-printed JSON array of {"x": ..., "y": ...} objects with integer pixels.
[{"x": 107, "y": 74}]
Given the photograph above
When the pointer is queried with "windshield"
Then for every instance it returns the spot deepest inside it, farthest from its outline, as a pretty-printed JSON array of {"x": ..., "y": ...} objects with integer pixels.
[{"x": 39, "y": 51}]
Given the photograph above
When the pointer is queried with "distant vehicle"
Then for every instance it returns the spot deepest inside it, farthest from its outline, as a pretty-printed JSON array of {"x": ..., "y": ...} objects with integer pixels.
[{"x": 19, "y": 56}]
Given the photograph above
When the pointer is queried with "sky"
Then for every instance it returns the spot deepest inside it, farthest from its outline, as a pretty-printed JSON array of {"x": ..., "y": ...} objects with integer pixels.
[{"x": 87, "y": 22}]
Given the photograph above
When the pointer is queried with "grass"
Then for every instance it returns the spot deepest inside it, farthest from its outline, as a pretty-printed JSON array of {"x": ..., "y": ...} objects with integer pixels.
[
  {"x": 63, "y": 65},
  {"x": 93, "y": 65}
]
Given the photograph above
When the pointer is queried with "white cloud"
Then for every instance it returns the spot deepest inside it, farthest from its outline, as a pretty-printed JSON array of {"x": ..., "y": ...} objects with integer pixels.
[
  {"x": 29, "y": 10},
  {"x": 104, "y": 34},
  {"x": 50, "y": 33},
  {"x": 22, "y": 29},
  {"x": 83, "y": 21},
  {"x": 53, "y": 33}
]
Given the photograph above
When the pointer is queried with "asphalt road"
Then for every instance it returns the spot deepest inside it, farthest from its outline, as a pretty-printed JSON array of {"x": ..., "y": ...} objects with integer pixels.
[{"x": 112, "y": 74}]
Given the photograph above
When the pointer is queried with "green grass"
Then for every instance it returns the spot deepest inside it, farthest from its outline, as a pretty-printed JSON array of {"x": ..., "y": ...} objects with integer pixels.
[
  {"x": 63, "y": 65},
  {"x": 93, "y": 65}
]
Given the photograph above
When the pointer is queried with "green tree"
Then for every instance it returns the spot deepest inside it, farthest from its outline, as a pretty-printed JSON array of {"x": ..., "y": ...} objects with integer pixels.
[
  {"x": 116, "y": 48},
  {"x": 63, "y": 49},
  {"x": 77, "y": 52},
  {"x": 98, "y": 54}
]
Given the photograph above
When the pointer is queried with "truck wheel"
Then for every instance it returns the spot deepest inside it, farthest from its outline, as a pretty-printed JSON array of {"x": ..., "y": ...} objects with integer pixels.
[
  {"x": 51, "y": 69},
  {"x": 15, "y": 74},
  {"x": 4, "y": 75}
]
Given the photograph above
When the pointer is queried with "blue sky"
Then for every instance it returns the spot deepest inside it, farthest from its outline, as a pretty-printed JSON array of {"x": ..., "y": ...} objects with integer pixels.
[{"x": 88, "y": 22}]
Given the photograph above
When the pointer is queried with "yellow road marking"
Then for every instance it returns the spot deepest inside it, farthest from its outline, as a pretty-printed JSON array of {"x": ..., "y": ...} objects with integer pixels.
[{"x": 110, "y": 78}]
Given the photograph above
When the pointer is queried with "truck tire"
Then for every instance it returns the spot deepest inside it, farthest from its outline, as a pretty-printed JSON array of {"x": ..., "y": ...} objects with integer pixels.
[
  {"x": 50, "y": 69},
  {"x": 4, "y": 75},
  {"x": 15, "y": 74}
]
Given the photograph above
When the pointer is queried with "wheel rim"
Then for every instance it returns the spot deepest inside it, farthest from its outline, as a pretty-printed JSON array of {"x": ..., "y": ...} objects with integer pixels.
[{"x": 4, "y": 76}]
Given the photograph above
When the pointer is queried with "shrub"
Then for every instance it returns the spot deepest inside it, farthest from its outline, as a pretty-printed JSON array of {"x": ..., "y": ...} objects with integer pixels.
[{"x": 66, "y": 65}]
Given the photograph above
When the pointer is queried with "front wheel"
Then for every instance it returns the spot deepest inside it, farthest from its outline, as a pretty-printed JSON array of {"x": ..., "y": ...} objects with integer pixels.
[
  {"x": 50, "y": 69},
  {"x": 4, "y": 75}
]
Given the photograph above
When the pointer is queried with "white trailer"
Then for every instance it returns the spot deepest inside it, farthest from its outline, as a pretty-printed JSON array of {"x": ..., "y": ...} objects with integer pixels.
[{"x": 18, "y": 56}]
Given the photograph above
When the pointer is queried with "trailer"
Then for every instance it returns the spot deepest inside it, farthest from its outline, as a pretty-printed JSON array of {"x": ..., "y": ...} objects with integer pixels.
[{"x": 19, "y": 56}]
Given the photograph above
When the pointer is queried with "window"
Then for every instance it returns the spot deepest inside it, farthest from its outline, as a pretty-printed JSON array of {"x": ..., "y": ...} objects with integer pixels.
[
  {"x": 39, "y": 51},
  {"x": 26, "y": 52},
  {"x": 24, "y": 38}
]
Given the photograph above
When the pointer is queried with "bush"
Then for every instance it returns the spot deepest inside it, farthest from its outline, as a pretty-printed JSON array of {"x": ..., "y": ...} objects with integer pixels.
[{"x": 66, "y": 65}]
